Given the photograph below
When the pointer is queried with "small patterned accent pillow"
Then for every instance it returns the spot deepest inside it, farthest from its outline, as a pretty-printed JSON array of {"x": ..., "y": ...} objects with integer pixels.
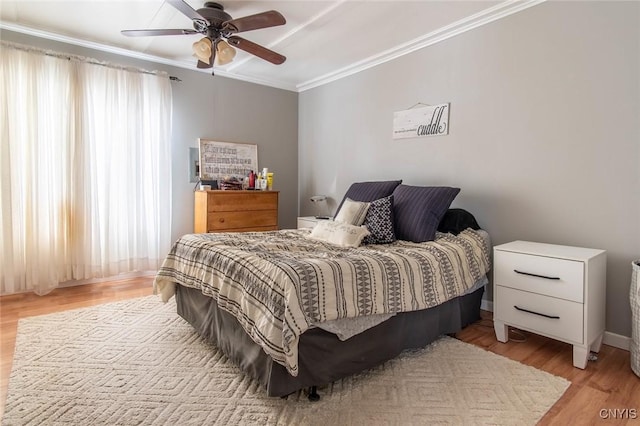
[
  {"x": 352, "y": 212},
  {"x": 338, "y": 233},
  {"x": 379, "y": 222}
]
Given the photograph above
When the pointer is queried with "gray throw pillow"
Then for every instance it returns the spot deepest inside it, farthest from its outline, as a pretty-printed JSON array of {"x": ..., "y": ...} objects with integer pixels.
[
  {"x": 369, "y": 191},
  {"x": 418, "y": 210}
]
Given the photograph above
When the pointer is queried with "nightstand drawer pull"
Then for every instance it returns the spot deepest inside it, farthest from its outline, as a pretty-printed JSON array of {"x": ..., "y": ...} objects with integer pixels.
[
  {"x": 535, "y": 275},
  {"x": 536, "y": 313}
]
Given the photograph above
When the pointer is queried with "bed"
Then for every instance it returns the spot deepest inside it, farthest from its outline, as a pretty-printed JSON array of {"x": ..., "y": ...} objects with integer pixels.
[{"x": 296, "y": 309}]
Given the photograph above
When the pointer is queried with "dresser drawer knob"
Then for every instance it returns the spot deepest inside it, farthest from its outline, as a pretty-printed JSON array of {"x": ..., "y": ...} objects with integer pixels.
[
  {"x": 535, "y": 275},
  {"x": 536, "y": 313},
  {"x": 221, "y": 220}
]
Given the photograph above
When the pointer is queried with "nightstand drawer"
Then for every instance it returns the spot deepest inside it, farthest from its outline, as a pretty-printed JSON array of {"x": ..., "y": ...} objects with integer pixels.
[
  {"x": 549, "y": 276},
  {"x": 526, "y": 310},
  {"x": 310, "y": 222},
  {"x": 307, "y": 222}
]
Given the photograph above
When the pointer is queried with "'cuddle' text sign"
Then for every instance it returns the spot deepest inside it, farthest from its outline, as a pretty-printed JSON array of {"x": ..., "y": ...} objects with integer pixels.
[{"x": 418, "y": 122}]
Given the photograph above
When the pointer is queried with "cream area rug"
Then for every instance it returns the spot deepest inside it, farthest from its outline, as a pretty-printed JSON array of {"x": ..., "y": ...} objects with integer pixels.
[{"x": 137, "y": 362}]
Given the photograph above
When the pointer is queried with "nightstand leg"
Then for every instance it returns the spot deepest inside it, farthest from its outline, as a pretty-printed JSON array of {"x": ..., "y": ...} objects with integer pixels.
[
  {"x": 595, "y": 346},
  {"x": 580, "y": 356},
  {"x": 502, "y": 331}
]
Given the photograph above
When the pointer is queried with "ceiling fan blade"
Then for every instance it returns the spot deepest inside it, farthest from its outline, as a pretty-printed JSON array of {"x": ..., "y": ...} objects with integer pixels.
[
  {"x": 256, "y": 49},
  {"x": 187, "y": 10},
  {"x": 254, "y": 22},
  {"x": 145, "y": 33}
]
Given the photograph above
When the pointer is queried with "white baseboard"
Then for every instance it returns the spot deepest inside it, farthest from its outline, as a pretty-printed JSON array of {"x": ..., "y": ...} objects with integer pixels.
[
  {"x": 486, "y": 305},
  {"x": 74, "y": 283},
  {"x": 609, "y": 339},
  {"x": 616, "y": 340},
  {"x": 123, "y": 276}
]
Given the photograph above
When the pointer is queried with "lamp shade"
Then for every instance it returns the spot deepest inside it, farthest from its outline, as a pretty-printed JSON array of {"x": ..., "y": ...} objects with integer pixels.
[
  {"x": 320, "y": 206},
  {"x": 202, "y": 50},
  {"x": 225, "y": 52}
]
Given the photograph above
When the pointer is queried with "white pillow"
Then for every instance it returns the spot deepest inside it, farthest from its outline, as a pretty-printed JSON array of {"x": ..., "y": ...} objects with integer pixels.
[
  {"x": 341, "y": 234},
  {"x": 352, "y": 212}
]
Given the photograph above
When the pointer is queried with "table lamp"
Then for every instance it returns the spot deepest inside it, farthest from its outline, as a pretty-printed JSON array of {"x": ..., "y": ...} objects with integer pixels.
[{"x": 320, "y": 207}]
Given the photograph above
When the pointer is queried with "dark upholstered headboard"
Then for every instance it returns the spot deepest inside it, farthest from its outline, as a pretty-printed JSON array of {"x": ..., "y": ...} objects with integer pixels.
[{"x": 456, "y": 221}]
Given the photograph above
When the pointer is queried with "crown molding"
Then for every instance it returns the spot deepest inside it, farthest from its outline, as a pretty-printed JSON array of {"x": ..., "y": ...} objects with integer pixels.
[
  {"x": 469, "y": 23},
  {"x": 290, "y": 33},
  {"x": 188, "y": 65},
  {"x": 461, "y": 26}
]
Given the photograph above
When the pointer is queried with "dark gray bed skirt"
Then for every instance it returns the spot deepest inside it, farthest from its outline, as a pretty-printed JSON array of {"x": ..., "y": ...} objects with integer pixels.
[{"x": 323, "y": 358}]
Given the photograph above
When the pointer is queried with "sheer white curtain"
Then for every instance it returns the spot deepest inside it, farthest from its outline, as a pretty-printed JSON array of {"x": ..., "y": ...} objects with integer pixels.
[{"x": 85, "y": 162}]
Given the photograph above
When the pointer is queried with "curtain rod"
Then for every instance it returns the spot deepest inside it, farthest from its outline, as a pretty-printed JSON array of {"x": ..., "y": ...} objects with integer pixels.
[{"x": 78, "y": 58}]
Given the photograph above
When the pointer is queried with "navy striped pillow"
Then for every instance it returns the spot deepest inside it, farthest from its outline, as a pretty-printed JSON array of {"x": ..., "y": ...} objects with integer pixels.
[
  {"x": 417, "y": 210},
  {"x": 369, "y": 191}
]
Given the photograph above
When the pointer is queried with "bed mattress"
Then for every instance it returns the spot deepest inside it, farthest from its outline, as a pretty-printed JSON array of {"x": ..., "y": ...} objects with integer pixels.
[{"x": 280, "y": 284}]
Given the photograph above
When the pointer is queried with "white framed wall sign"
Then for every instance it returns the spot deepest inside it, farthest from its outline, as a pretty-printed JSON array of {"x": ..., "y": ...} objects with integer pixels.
[
  {"x": 431, "y": 120},
  {"x": 220, "y": 160}
]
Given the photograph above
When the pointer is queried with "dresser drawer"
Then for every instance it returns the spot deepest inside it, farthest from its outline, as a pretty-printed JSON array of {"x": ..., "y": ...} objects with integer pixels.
[
  {"x": 568, "y": 327},
  {"x": 226, "y": 201},
  {"x": 549, "y": 276},
  {"x": 243, "y": 221}
]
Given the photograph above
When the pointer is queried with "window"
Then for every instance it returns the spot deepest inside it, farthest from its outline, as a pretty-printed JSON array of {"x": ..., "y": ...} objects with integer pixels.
[{"x": 85, "y": 169}]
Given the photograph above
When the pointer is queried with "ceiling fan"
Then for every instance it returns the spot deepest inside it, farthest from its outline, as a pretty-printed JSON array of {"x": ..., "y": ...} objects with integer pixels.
[{"x": 218, "y": 29}]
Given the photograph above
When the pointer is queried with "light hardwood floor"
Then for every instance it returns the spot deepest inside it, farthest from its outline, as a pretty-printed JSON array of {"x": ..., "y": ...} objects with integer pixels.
[{"x": 607, "y": 384}]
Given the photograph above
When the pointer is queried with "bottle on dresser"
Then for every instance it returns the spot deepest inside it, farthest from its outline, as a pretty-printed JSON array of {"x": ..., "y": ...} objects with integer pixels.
[{"x": 261, "y": 183}]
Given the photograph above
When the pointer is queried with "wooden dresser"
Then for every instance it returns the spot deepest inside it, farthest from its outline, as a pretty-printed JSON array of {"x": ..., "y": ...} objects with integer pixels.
[{"x": 235, "y": 211}]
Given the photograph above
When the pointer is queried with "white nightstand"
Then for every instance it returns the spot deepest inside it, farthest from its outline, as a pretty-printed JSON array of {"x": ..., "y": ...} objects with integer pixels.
[
  {"x": 308, "y": 221},
  {"x": 555, "y": 291}
]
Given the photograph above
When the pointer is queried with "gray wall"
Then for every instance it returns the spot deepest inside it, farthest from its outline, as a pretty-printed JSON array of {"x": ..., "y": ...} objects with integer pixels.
[
  {"x": 544, "y": 131},
  {"x": 235, "y": 111},
  {"x": 221, "y": 109}
]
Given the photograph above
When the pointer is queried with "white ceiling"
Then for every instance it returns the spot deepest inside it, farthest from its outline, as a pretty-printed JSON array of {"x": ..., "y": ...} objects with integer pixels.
[{"x": 322, "y": 40}]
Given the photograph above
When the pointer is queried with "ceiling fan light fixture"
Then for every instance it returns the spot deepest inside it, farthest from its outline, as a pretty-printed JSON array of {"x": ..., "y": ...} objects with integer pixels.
[
  {"x": 225, "y": 53},
  {"x": 202, "y": 50},
  {"x": 219, "y": 29}
]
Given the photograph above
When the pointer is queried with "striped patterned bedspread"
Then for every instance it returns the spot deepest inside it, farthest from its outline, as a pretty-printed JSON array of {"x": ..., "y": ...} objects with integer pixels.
[{"x": 279, "y": 284}]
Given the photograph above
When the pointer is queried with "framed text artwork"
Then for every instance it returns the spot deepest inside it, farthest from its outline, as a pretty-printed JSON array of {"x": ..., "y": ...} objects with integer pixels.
[
  {"x": 220, "y": 160},
  {"x": 430, "y": 120}
]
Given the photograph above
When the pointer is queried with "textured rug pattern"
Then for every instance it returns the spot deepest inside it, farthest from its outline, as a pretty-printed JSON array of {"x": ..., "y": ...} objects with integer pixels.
[{"x": 138, "y": 362}]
